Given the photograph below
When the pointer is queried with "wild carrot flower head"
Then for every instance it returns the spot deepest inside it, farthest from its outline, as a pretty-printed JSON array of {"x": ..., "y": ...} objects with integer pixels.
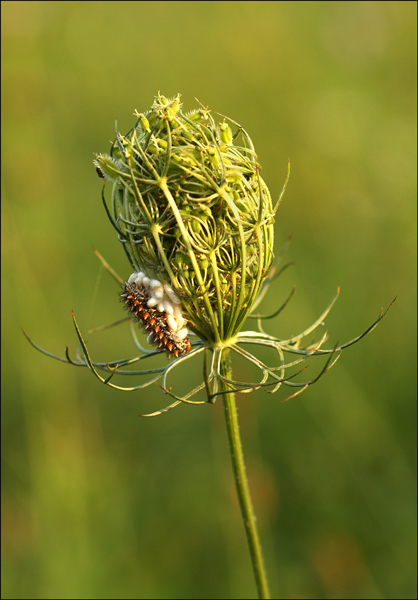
[
  {"x": 195, "y": 219},
  {"x": 192, "y": 210}
]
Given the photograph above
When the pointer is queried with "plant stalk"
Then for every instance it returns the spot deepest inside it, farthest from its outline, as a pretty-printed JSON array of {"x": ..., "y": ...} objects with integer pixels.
[{"x": 241, "y": 482}]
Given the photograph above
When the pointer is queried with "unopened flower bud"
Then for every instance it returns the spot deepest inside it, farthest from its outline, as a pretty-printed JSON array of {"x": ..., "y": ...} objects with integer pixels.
[{"x": 192, "y": 212}]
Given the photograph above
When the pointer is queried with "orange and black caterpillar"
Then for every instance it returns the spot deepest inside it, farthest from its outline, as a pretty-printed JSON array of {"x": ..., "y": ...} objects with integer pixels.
[{"x": 153, "y": 321}]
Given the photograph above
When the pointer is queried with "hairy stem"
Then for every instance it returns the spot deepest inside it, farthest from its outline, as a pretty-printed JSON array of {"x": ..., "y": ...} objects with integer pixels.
[{"x": 241, "y": 481}]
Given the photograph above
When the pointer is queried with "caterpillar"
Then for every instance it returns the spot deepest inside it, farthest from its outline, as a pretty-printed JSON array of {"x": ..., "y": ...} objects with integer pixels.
[{"x": 157, "y": 308}]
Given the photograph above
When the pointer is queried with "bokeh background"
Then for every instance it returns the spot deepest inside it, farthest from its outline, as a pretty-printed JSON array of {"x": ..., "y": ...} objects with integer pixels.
[{"x": 98, "y": 503}]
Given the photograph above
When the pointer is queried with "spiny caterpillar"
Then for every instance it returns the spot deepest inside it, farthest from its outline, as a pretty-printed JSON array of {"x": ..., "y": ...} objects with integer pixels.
[{"x": 158, "y": 309}]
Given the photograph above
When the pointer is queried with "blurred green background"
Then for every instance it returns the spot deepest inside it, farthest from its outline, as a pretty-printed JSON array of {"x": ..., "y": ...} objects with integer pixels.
[{"x": 98, "y": 503}]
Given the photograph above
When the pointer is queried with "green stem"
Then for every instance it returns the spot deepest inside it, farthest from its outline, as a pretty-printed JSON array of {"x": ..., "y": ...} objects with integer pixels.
[{"x": 241, "y": 481}]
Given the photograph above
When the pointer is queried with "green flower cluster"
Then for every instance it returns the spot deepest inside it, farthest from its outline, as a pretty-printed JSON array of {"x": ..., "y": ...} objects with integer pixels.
[
  {"x": 196, "y": 222},
  {"x": 192, "y": 210}
]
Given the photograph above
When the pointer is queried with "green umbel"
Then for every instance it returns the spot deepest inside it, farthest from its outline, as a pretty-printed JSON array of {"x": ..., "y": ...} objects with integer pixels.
[{"x": 191, "y": 209}]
